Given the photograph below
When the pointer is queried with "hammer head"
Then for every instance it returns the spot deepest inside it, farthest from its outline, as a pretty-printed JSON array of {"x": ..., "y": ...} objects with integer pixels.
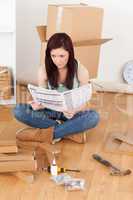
[{"x": 120, "y": 172}]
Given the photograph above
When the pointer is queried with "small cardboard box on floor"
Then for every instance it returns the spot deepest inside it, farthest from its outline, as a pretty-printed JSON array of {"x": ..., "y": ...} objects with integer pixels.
[{"x": 86, "y": 51}]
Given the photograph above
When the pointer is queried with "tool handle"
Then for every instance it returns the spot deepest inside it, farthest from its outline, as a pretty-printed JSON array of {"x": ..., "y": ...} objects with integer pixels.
[
  {"x": 61, "y": 170},
  {"x": 101, "y": 160},
  {"x": 73, "y": 170}
]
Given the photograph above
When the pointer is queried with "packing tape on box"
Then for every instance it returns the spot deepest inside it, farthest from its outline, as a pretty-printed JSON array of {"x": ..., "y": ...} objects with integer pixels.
[{"x": 59, "y": 18}]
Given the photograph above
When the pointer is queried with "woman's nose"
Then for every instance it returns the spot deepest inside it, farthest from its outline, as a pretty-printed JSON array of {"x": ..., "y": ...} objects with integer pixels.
[{"x": 57, "y": 60}]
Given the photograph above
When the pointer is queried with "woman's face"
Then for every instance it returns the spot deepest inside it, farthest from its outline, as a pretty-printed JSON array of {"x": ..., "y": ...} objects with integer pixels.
[{"x": 59, "y": 57}]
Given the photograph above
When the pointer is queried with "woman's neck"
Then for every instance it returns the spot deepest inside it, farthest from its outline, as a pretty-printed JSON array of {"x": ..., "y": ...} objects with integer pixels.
[{"x": 62, "y": 75}]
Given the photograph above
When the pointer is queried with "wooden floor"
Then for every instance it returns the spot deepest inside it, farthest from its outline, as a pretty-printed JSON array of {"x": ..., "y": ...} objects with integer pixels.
[{"x": 99, "y": 185}]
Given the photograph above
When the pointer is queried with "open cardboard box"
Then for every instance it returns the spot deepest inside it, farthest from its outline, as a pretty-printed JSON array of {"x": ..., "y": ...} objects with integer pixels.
[{"x": 86, "y": 51}]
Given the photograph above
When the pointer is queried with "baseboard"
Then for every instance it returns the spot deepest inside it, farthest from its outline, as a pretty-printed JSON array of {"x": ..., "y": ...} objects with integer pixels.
[{"x": 112, "y": 86}]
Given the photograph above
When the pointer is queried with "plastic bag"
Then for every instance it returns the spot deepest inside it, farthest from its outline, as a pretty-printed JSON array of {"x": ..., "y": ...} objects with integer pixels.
[
  {"x": 61, "y": 178},
  {"x": 74, "y": 184}
]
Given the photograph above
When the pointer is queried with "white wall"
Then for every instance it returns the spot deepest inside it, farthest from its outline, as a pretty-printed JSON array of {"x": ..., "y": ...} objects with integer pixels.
[
  {"x": 29, "y": 14},
  {"x": 117, "y": 24}
]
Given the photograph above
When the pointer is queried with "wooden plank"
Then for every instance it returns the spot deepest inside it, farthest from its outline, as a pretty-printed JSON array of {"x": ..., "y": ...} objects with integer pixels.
[
  {"x": 9, "y": 149},
  {"x": 7, "y": 143},
  {"x": 17, "y": 156},
  {"x": 12, "y": 166}
]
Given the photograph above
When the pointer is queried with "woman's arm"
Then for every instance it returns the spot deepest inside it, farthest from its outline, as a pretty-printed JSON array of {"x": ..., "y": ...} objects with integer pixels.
[
  {"x": 83, "y": 78},
  {"x": 83, "y": 75},
  {"x": 42, "y": 77},
  {"x": 42, "y": 81}
]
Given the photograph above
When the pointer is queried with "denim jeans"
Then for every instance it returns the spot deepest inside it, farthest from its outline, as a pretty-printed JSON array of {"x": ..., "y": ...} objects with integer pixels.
[{"x": 45, "y": 118}]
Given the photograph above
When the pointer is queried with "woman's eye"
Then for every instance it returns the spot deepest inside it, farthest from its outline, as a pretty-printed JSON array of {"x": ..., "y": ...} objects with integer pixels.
[{"x": 61, "y": 56}]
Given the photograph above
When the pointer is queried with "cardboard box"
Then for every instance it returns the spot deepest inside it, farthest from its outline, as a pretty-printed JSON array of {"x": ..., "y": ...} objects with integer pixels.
[
  {"x": 87, "y": 51},
  {"x": 5, "y": 83},
  {"x": 80, "y": 21}
]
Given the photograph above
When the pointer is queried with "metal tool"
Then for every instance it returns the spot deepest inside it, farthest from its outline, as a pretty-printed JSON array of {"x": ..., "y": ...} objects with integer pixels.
[
  {"x": 114, "y": 170},
  {"x": 61, "y": 169}
]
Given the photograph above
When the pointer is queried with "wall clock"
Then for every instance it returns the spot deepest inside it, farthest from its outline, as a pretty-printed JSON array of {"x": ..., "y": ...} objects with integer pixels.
[{"x": 128, "y": 72}]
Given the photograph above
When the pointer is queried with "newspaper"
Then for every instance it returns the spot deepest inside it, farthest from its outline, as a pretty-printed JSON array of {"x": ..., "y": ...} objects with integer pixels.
[{"x": 61, "y": 101}]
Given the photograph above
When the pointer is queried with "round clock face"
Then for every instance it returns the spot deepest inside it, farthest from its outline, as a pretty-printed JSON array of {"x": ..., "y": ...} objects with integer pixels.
[{"x": 128, "y": 72}]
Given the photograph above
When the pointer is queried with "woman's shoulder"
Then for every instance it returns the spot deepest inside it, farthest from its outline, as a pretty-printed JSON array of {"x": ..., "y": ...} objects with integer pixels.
[{"x": 83, "y": 74}]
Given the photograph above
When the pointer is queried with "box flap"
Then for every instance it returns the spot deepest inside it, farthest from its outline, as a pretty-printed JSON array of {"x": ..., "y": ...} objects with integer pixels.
[
  {"x": 91, "y": 42},
  {"x": 42, "y": 35},
  {"x": 69, "y": 5},
  {"x": 42, "y": 32}
]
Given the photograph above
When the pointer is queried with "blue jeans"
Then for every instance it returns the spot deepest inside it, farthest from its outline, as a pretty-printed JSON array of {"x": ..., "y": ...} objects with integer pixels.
[{"x": 45, "y": 118}]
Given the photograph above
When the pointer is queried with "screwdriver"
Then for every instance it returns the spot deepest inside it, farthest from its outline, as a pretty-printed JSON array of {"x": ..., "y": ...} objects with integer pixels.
[{"x": 61, "y": 169}]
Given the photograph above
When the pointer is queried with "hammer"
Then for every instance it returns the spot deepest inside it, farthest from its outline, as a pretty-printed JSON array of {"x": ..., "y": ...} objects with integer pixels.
[{"x": 114, "y": 170}]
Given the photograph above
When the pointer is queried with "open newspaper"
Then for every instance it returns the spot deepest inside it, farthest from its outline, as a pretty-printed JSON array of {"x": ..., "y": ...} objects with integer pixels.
[{"x": 60, "y": 101}]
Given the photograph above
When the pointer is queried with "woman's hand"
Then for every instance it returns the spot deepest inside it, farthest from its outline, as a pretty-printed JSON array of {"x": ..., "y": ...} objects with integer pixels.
[
  {"x": 36, "y": 105},
  {"x": 69, "y": 114}
]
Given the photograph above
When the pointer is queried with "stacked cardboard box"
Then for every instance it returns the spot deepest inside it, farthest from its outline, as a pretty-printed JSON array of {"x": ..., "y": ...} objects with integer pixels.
[
  {"x": 12, "y": 160},
  {"x": 5, "y": 83},
  {"x": 83, "y": 24}
]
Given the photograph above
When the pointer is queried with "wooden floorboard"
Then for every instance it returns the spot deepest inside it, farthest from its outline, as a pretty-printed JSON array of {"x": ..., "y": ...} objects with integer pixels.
[{"x": 99, "y": 185}]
